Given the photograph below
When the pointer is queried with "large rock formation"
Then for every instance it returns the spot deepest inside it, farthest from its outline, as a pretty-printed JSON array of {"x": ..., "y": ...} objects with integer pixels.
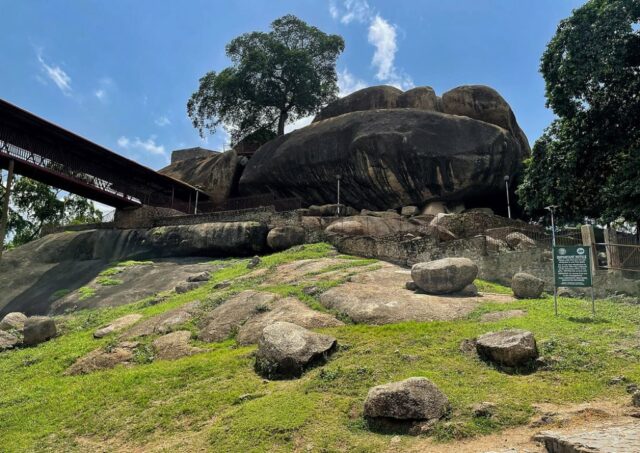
[
  {"x": 388, "y": 159},
  {"x": 371, "y": 98}
]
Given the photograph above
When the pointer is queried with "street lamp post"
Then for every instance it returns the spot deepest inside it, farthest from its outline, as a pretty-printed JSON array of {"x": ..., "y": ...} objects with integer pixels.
[
  {"x": 338, "y": 177},
  {"x": 506, "y": 184},
  {"x": 551, "y": 210}
]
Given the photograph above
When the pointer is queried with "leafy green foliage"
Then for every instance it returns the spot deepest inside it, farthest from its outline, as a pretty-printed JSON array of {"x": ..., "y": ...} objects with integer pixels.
[
  {"x": 587, "y": 161},
  {"x": 34, "y": 205},
  {"x": 276, "y": 77}
]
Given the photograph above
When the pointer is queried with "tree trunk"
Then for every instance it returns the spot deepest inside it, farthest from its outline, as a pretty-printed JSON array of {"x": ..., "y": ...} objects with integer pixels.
[{"x": 281, "y": 121}]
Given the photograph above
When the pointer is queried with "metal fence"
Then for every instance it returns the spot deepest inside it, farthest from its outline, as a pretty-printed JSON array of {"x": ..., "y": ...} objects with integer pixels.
[{"x": 258, "y": 201}]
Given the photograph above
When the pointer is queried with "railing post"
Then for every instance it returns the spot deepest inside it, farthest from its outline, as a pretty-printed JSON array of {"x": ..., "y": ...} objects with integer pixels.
[
  {"x": 611, "y": 244},
  {"x": 5, "y": 206},
  {"x": 589, "y": 239}
]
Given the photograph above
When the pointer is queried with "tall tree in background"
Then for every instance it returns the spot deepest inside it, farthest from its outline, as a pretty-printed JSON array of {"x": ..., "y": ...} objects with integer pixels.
[
  {"x": 276, "y": 77},
  {"x": 588, "y": 161},
  {"x": 34, "y": 205}
]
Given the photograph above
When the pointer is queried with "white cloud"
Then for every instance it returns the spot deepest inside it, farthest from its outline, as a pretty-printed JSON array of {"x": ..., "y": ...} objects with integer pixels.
[
  {"x": 57, "y": 75},
  {"x": 105, "y": 87},
  {"x": 162, "y": 121},
  {"x": 149, "y": 145},
  {"x": 333, "y": 9},
  {"x": 382, "y": 35},
  {"x": 348, "y": 83},
  {"x": 351, "y": 10},
  {"x": 299, "y": 123},
  {"x": 101, "y": 94}
]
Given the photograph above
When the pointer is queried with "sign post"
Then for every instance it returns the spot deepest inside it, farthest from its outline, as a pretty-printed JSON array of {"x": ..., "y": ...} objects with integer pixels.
[{"x": 572, "y": 268}]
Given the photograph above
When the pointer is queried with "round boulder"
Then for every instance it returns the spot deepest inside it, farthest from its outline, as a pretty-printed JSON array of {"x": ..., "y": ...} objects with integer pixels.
[
  {"x": 282, "y": 238},
  {"x": 286, "y": 350},
  {"x": 423, "y": 98},
  {"x": 13, "y": 321},
  {"x": 444, "y": 276},
  {"x": 526, "y": 286},
  {"x": 38, "y": 329},
  {"x": 510, "y": 348},
  {"x": 8, "y": 340},
  {"x": 416, "y": 398},
  {"x": 519, "y": 241},
  {"x": 370, "y": 98}
]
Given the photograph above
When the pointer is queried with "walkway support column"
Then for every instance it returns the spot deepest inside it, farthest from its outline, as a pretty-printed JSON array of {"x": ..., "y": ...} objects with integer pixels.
[{"x": 5, "y": 206}]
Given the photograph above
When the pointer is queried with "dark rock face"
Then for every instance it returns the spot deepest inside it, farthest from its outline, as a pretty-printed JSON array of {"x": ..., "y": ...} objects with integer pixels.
[
  {"x": 510, "y": 348},
  {"x": 444, "y": 276},
  {"x": 38, "y": 329},
  {"x": 387, "y": 159},
  {"x": 423, "y": 98},
  {"x": 216, "y": 173},
  {"x": 286, "y": 350},
  {"x": 526, "y": 286},
  {"x": 371, "y": 98},
  {"x": 416, "y": 398}
]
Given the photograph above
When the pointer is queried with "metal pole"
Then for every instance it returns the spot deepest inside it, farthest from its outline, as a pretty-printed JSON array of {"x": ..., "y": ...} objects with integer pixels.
[
  {"x": 338, "y": 195},
  {"x": 553, "y": 257},
  {"x": 5, "y": 206},
  {"x": 506, "y": 183},
  {"x": 593, "y": 301},
  {"x": 195, "y": 210}
]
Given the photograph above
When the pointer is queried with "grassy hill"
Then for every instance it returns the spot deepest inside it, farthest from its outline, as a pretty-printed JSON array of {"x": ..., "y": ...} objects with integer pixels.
[{"x": 215, "y": 401}]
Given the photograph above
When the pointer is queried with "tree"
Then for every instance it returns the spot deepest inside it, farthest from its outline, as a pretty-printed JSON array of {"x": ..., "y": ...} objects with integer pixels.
[
  {"x": 276, "y": 77},
  {"x": 587, "y": 161},
  {"x": 34, "y": 205}
]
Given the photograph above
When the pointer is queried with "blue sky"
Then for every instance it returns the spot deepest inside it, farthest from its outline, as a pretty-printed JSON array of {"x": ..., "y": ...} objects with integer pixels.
[{"x": 119, "y": 72}]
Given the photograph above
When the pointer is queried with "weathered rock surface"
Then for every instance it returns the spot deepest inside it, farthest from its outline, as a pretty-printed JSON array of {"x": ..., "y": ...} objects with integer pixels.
[
  {"x": 444, "y": 276},
  {"x": 526, "y": 286},
  {"x": 370, "y": 98},
  {"x": 282, "y": 238},
  {"x": 201, "y": 277},
  {"x": 416, "y": 398},
  {"x": 216, "y": 174},
  {"x": 365, "y": 225},
  {"x": 13, "y": 321},
  {"x": 519, "y": 240},
  {"x": 330, "y": 210},
  {"x": 38, "y": 329},
  {"x": 174, "y": 345},
  {"x": 387, "y": 159},
  {"x": 164, "y": 322},
  {"x": 117, "y": 325},
  {"x": 423, "y": 98},
  {"x": 185, "y": 287},
  {"x": 286, "y": 350},
  {"x": 510, "y": 348},
  {"x": 248, "y": 313},
  {"x": 103, "y": 359},
  {"x": 8, "y": 340},
  {"x": 618, "y": 439},
  {"x": 500, "y": 315}
]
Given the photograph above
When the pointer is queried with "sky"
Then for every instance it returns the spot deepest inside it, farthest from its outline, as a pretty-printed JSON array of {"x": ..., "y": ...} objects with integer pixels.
[{"x": 120, "y": 72}]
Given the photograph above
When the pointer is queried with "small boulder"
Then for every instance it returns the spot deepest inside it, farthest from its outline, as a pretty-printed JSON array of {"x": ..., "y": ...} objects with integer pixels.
[
  {"x": 510, "y": 348},
  {"x": 174, "y": 346},
  {"x": 416, "y": 398},
  {"x": 286, "y": 350},
  {"x": 411, "y": 285},
  {"x": 103, "y": 359},
  {"x": 201, "y": 277},
  {"x": 38, "y": 329},
  {"x": 187, "y": 286},
  {"x": 484, "y": 410},
  {"x": 409, "y": 211},
  {"x": 255, "y": 261},
  {"x": 519, "y": 241},
  {"x": 282, "y": 238},
  {"x": 635, "y": 399},
  {"x": 469, "y": 291},
  {"x": 8, "y": 340},
  {"x": 13, "y": 321},
  {"x": 526, "y": 286},
  {"x": 118, "y": 325},
  {"x": 434, "y": 208},
  {"x": 444, "y": 276}
]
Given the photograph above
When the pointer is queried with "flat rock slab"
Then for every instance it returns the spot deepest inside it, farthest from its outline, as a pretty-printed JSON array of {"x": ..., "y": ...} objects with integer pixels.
[
  {"x": 380, "y": 297},
  {"x": 103, "y": 359},
  {"x": 118, "y": 325},
  {"x": 614, "y": 439},
  {"x": 164, "y": 322},
  {"x": 174, "y": 346},
  {"x": 500, "y": 315},
  {"x": 311, "y": 271}
]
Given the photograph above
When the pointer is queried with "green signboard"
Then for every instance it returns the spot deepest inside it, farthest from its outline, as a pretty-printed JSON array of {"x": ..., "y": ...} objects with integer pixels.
[{"x": 572, "y": 266}]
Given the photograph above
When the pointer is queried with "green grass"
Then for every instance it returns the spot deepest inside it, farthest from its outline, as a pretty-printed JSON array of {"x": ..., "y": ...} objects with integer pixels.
[
  {"x": 489, "y": 287},
  {"x": 86, "y": 292},
  {"x": 59, "y": 294},
  {"x": 108, "y": 281},
  {"x": 215, "y": 401}
]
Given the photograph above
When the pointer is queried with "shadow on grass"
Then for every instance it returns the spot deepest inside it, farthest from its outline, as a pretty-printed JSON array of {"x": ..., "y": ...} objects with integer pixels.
[{"x": 588, "y": 320}]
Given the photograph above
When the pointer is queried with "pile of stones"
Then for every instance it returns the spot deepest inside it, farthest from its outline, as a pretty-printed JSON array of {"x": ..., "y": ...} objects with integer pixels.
[{"x": 17, "y": 329}]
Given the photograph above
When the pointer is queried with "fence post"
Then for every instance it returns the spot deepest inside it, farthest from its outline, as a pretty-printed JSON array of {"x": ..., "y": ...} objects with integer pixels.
[
  {"x": 589, "y": 239},
  {"x": 611, "y": 244}
]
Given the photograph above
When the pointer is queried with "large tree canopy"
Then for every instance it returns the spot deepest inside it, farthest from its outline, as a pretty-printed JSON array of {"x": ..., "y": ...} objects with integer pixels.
[
  {"x": 588, "y": 161},
  {"x": 276, "y": 77},
  {"x": 34, "y": 205}
]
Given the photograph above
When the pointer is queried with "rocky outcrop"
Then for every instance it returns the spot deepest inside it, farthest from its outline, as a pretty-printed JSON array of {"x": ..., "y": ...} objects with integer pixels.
[
  {"x": 387, "y": 159},
  {"x": 38, "y": 329},
  {"x": 526, "y": 286},
  {"x": 103, "y": 359},
  {"x": 416, "y": 399},
  {"x": 422, "y": 98},
  {"x": 164, "y": 322},
  {"x": 511, "y": 348},
  {"x": 286, "y": 350},
  {"x": 174, "y": 345},
  {"x": 117, "y": 325},
  {"x": 282, "y": 238},
  {"x": 444, "y": 276},
  {"x": 216, "y": 174},
  {"x": 371, "y": 98}
]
